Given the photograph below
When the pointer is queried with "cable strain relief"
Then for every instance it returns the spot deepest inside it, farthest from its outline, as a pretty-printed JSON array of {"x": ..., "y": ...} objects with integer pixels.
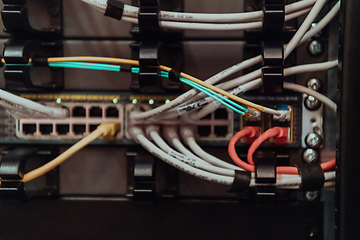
[
  {"x": 170, "y": 133},
  {"x": 114, "y": 9},
  {"x": 186, "y": 132},
  {"x": 134, "y": 132},
  {"x": 241, "y": 181},
  {"x": 40, "y": 62},
  {"x": 312, "y": 177},
  {"x": 151, "y": 128},
  {"x": 174, "y": 75}
]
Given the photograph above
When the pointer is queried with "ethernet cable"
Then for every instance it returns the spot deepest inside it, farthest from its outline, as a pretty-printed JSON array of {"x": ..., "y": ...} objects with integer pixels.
[
  {"x": 104, "y": 130},
  {"x": 217, "y": 26},
  {"x": 240, "y": 81},
  {"x": 190, "y": 160},
  {"x": 132, "y": 12},
  {"x": 283, "y": 182},
  {"x": 184, "y": 98},
  {"x": 45, "y": 111},
  {"x": 217, "y": 97}
]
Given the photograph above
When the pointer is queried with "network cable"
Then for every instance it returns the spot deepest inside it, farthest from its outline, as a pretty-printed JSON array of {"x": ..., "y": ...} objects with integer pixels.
[
  {"x": 130, "y": 13},
  {"x": 104, "y": 130}
]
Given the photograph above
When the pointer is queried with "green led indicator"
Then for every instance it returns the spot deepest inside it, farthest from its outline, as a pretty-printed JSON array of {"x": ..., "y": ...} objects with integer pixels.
[
  {"x": 58, "y": 100},
  {"x": 167, "y": 101},
  {"x": 115, "y": 100},
  {"x": 134, "y": 101},
  {"x": 151, "y": 101}
]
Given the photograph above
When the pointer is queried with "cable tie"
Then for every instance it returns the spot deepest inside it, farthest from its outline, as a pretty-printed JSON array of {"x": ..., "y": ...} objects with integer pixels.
[
  {"x": 40, "y": 61},
  {"x": 241, "y": 181},
  {"x": 174, "y": 75},
  {"x": 125, "y": 69},
  {"x": 114, "y": 9},
  {"x": 312, "y": 177}
]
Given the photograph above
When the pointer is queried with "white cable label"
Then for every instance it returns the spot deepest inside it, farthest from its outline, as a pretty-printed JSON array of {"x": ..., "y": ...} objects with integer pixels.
[
  {"x": 185, "y": 159},
  {"x": 192, "y": 106}
]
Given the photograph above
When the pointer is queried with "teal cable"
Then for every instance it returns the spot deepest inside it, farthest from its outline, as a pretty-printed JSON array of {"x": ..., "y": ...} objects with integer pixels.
[
  {"x": 92, "y": 66},
  {"x": 223, "y": 98},
  {"x": 211, "y": 94}
]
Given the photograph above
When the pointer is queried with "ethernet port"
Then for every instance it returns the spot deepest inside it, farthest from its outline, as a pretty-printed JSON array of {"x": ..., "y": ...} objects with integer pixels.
[
  {"x": 62, "y": 129},
  {"x": 221, "y": 131},
  {"x": 112, "y": 112},
  {"x": 95, "y": 112},
  {"x": 46, "y": 129},
  {"x": 221, "y": 113},
  {"x": 79, "y": 129},
  {"x": 93, "y": 127},
  {"x": 203, "y": 131},
  {"x": 206, "y": 117},
  {"x": 79, "y": 112},
  {"x": 29, "y": 128}
]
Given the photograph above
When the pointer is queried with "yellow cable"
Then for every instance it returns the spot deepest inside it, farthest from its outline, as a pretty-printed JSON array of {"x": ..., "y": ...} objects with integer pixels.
[
  {"x": 164, "y": 68},
  {"x": 218, "y": 90},
  {"x": 94, "y": 59},
  {"x": 104, "y": 130}
]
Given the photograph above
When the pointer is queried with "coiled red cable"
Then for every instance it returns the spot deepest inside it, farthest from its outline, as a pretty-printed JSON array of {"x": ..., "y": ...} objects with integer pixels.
[{"x": 273, "y": 132}]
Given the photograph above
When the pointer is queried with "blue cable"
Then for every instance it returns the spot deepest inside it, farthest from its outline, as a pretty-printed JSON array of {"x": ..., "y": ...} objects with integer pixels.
[
  {"x": 81, "y": 65},
  {"x": 221, "y": 99}
]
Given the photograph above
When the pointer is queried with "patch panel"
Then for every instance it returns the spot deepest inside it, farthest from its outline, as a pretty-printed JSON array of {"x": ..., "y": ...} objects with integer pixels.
[
  {"x": 84, "y": 118},
  {"x": 217, "y": 126}
]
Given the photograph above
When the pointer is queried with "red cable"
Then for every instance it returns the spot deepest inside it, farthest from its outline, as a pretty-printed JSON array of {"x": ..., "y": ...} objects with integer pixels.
[
  {"x": 232, "y": 150},
  {"x": 273, "y": 132}
]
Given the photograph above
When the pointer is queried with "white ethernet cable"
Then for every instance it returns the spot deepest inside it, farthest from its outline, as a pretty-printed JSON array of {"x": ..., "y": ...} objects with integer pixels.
[
  {"x": 283, "y": 181},
  {"x": 132, "y": 12},
  {"x": 298, "y": 88},
  {"x": 46, "y": 111},
  {"x": 216, "y": 26},
  {"x": 139, "y": 137},
  {"x": 244, "y": 80},
  {"x": 184, "y": 98},
  {"x": 190, "y": 160}
]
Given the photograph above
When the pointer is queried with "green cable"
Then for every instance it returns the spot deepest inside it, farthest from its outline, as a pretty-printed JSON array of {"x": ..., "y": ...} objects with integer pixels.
[
  {"x": 81, "y": 65},
  {"x": 221, "y": 99},
  {"x": 109, "y": 67}
]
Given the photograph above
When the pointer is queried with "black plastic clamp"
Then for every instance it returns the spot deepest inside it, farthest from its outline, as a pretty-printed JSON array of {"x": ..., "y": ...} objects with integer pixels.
[
  {"x": 149, "y": 18},
  {"x": 16, "y": 19},
  {"x": 149, "y": 73},
  {"x": 312, "y": 177},
  {"x": 149, "y": 27},
  {"x": 273, "y": 46},
  {"x": 144, "y": 191},
  {"x": 17, "y": 54},
  {"x": 265, "y": 178},
  {"x": 241, "y": 182},
  {"x": 12, "y": 168}
]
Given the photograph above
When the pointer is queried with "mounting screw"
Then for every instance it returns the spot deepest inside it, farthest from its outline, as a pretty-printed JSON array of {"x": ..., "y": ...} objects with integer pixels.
[
  {"x": 315, "y": 84},
  {"x": 316, "y": 47},
  {"x": 312, "y": 103},
  {"x": 313, "y": 140},
  {"x": 311, "y": 195},
  {"x": 310, "y": 155}
]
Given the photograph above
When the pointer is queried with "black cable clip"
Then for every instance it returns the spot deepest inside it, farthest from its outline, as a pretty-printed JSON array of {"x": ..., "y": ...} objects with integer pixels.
[
  {"x": 17, "y": 54},
  {"x": 144, "y": 191},
  {"x": 312, "y": 177},
  {"x": 12, "y": 169},
  {"x": 16, "y": 19},
  {"x": 265, "y": 178},
  {"x": 273, "y": 46},
  {"x": 149, "y": 18},
  {"x": 149, "y": 72}
]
